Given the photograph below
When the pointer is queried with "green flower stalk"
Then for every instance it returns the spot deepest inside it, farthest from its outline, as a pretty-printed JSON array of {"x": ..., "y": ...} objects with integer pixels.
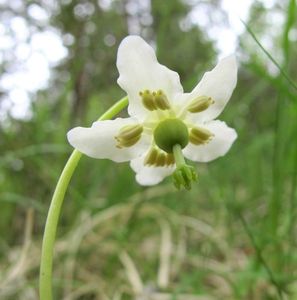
[{"x": 46, "y": 265}]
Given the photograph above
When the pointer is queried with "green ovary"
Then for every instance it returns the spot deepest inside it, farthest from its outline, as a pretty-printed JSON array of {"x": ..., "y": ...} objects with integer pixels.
[{"x": 171, "y": 132}]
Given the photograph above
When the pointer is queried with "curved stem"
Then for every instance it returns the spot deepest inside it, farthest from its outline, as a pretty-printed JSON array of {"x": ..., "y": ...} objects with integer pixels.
[{"x": 46, "y": 264}]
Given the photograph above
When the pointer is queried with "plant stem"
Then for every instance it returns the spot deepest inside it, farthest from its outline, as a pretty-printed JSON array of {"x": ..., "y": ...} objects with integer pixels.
[
  {"x": 260, "y": 256},
  {"x": 282, "y": 71},
  {"x": 46, "y": 264}
]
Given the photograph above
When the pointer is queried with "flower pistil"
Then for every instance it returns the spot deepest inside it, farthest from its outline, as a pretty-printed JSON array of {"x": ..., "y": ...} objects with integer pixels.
[{"x": 184, "y": 174}]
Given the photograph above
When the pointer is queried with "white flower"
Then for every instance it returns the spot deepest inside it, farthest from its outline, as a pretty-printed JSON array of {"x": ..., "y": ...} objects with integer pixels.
[{"x": 165, "y": 123}]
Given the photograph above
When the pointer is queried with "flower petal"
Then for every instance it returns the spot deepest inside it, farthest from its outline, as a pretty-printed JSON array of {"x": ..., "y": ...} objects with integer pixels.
[
  {"x": 223, "y": 139},
  {"x": 139, "y": 70},
  {"x": 99, "y": 141},
  {"x": 218, "y": 84},
  {"x": 149, "y": 175}
]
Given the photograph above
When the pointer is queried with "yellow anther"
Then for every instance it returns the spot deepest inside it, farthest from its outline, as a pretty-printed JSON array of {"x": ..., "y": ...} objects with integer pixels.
[
  {"x": 129, "y": 135},
  {"x": 158, "y": 158},
  {"x": 154, "y": 100},
  {"x": 151, "y": 157},
  {"x": 200, "y": 136},
  {"x": 161, "y": 100},
  {"x": 127, "y": 143},
  {"x": 148, "y": 100},
  {"x": 169, "y": 159},
  {"x": 161, "y": 160},
  {"x": 199, "y": 104}
]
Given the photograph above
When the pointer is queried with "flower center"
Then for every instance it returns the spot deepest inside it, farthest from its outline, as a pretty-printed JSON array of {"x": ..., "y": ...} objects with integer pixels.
[{"x": 169, "y": 133}]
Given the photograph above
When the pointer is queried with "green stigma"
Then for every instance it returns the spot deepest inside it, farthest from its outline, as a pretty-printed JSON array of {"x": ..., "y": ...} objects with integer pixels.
[
  {"x": 171, "y": 132},
  {"x": 184, "y": 175}
]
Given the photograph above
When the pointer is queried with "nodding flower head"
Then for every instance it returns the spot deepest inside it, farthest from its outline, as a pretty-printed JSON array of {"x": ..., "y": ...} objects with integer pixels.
[{"x": 165, "y": 125}]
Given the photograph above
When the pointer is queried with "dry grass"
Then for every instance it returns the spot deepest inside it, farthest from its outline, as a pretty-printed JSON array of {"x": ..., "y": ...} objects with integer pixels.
[{"x": 92, "y": 262}]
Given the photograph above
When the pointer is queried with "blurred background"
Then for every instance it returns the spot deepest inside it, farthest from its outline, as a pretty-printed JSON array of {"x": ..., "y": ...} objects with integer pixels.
[{"x": 233, "y": 236}]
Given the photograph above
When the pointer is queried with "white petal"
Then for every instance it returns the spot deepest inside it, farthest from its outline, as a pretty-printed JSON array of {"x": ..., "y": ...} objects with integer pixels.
[
  {"x": 99, "y": 141},
  {"x": 223, "y": 139},
  {"x": 149, "y": 175},
  {"x": 219, "y": 84},
  {"x": 139, "y": 70}
]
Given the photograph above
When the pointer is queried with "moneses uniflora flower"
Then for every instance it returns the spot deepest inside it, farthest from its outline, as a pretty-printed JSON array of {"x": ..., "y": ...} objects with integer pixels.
[{"x": 165, "y": 124}]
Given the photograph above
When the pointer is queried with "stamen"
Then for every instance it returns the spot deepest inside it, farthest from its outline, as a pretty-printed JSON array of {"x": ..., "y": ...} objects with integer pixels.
[
  {"x": 151, "y": 157},
  {"x": 170, "y": 159},
  {"x": 161, "y": 160},
  {"x": 161, "y": 100},
  {"x": 200, "y": 136},
  {"x": 148, "y": 100},
  {"x": 157, "y": 158},
  {"x": 128, "y": 136},
  {"x": 199, "y": 104},
  {"x": 154, "y": 100}
]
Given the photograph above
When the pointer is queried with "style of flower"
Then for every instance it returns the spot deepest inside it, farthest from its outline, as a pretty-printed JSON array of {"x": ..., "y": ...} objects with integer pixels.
[{"x": 165, "y": 124}]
